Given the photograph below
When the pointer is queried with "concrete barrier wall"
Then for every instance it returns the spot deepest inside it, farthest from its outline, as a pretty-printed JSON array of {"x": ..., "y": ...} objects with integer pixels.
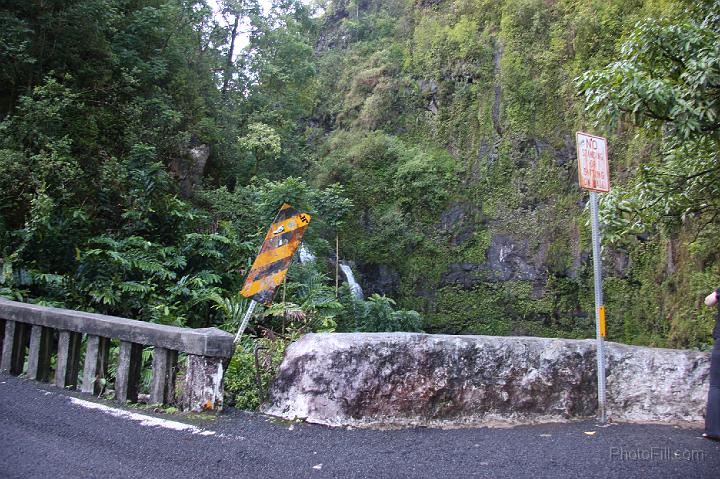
[{"x": 419, "y": 379}]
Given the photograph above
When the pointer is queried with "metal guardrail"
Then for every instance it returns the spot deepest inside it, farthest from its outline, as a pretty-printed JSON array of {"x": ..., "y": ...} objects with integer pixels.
[{"x": 39, "y": 333}]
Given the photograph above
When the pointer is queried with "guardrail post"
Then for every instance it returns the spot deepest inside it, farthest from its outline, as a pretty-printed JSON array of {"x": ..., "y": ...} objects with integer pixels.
[
  {"x": 170, "y": 391},
  {"x": 40, "y": 352},
  {"x": 128, "y": 372},
  {"x": 13, "y": 355},
  {"x": 2, "y": 336},
  {"x": 162, "y": 389},
  {"x": 96, "y": 362},
  {"x": 8, "y": 345},
  {"x": 68, "y": 359},
  {"x": 203, "y": 385}
]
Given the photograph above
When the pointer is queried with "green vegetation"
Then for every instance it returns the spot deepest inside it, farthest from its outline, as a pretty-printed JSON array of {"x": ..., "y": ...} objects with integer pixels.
[
  {"x": 665, "y": 82},
  {"x": 143, "y": 154},
  {"x": 495, "y": 239}
]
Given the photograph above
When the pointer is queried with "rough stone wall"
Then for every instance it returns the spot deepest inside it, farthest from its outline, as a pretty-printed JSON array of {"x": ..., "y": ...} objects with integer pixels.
[
  {"x": 653, "y": 384},
  {"x": 419, "y": 379}
]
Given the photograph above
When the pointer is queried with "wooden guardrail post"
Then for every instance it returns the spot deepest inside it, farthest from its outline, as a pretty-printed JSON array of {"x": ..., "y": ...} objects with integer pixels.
[
  {"x": 128, "y": 372},
  {"x": 68, "y": 359},
  {"x": 40, "y": 352},
  {"x": 162, "y": 389},
  {"x": 14, "y": 344},
  {"x": 96, "y": 362},
  {"x": 8, "y": 346},
  {"x": 203, "y": 385}
]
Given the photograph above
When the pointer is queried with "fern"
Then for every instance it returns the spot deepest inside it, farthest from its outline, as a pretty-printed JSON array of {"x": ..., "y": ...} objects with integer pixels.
[
  {"x": 232, "y": 308},
  {"x": 135, "y": 287}
]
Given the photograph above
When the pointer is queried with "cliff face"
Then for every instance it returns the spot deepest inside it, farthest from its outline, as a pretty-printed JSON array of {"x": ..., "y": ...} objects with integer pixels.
[
  {"x": 420, "y": 379},
  {"x": 452, "y": 123}
]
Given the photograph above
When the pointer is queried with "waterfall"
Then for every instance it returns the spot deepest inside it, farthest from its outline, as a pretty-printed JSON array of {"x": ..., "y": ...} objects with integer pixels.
[
  {"x": 355, "y": 288},
  {"x": 306, "y": 256}
]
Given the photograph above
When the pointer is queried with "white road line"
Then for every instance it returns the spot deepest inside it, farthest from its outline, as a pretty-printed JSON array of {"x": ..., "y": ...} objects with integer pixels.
[{"x": 142, "y": 419}]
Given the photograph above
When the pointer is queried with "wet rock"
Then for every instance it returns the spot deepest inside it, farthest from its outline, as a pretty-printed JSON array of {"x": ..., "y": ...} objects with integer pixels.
[
  {"x": 488, "y": 154},
  {"x": 567, "y": 153},
  {"x": 428, "y": 87},
  {"x": 419, "y": 379},
  {"x": 465, "y": 275},
  {"x": 189, "y": 168},
  {"x": 379, "y": 278},
  {"x": 620, "y": 261},
  {"x": 580, "y": 260},
  {"x": 507, "y": 260},
  {"x": 429, "y": 3},
  {"x": 429, "y": 90},
  {"x": 497, "y": 104},
  {"x": 457, "y": 223}
]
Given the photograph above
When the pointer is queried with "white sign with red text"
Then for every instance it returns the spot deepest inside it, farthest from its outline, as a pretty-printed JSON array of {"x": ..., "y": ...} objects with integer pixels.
[{"x": 592, "y": 155}]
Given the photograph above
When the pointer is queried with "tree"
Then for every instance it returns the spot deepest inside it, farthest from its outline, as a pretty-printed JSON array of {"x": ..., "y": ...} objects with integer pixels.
[
  {"x": 667, "y": 82},
  {"x": 262, "y": 142},
  {"x": 234, "y": 13},
  {"x": 334, "y": 208},
  {"x": 281, "y": 87}
]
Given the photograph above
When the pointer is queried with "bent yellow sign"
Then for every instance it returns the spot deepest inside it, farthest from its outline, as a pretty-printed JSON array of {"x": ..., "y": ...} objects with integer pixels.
[{"x": 271, "y": 265}]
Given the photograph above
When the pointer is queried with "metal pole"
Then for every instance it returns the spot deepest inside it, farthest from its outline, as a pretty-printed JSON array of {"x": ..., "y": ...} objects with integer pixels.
[
  {"x": 245, "y": 320},
  {"x": 599, "y": 307}
]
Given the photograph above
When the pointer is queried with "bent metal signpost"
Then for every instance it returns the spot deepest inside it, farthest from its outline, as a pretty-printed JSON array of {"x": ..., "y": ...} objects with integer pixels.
[
  {"x": 271, "y": 264},
  {"x": 593, "y": 174}
]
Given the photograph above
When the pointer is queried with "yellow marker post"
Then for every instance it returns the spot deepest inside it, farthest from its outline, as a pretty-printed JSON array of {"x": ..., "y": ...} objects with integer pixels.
[{"x": 601, "y": 312}]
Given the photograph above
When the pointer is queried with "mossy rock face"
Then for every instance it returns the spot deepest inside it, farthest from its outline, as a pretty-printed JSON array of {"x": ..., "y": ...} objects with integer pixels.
[{"x": 454, "y": 132}]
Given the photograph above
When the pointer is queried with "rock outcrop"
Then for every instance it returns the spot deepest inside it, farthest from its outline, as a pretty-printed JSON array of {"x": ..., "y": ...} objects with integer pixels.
[
  {"x": 189, "y": 168},
  {"x": 419, "y": 379}
]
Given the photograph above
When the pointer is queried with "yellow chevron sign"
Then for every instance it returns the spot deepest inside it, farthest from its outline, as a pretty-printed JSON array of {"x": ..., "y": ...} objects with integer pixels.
[{"x": 271, "y": 265}]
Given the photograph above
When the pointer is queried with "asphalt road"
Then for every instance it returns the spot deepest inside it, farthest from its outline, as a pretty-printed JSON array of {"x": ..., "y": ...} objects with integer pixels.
[{"x": 45, "y": 432}]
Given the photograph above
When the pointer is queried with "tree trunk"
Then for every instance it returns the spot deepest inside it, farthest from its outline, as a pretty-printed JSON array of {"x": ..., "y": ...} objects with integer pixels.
[{"x": 227, "y": 74}]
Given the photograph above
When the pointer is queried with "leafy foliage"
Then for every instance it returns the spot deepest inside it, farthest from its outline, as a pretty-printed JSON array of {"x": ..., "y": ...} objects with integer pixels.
[
  {"x": 241, "y": 383},
  {"x": 262, "y": 142},
  {"x": 666, "y": 81},
  {"x": 376, "y": 314}
]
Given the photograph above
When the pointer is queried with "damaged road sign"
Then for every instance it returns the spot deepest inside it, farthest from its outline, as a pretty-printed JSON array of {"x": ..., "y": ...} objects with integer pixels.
[{"x": 271, "y": 265}]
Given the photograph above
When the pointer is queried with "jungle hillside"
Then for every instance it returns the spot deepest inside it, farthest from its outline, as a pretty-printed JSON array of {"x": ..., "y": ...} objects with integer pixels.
[{"x": 146, "y": 145}]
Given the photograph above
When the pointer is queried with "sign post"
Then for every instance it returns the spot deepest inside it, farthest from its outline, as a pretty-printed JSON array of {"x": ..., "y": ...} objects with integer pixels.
[
  {"x": 593, "y": 174},
  {"x": 271, "y": 264}
]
